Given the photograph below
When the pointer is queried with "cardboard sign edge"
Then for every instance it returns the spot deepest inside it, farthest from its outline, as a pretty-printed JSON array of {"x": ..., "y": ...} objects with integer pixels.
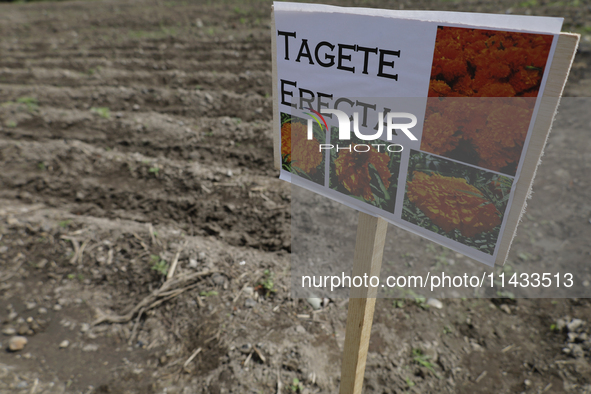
[
  {"x": 276, "y": 130},
  {"x": 559, "y": 70}
]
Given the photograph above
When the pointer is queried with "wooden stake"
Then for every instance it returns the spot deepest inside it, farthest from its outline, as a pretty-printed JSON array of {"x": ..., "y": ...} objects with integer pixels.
[{"x": 369, "y": 249}]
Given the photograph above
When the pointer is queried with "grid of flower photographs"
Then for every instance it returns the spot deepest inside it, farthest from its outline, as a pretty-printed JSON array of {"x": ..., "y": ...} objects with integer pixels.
[
  {"x": 368, "y": 174},
  {"x": 299, "y": 155},
  {"x": 482, "y": 94},
  {"x": 460, "y": 202}
]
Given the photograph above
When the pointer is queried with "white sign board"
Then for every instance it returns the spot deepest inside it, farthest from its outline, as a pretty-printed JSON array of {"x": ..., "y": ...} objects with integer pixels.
[{"x": 426, "y": 119}]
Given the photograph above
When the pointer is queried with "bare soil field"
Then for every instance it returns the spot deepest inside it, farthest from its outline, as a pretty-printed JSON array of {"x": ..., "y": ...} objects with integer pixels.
[{"x": 135, "y": 136}]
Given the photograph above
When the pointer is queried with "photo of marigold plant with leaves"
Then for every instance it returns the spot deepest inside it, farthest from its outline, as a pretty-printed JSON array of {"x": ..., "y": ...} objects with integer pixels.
[
  {"x": 456, "y": 201},
  {"x": 299, "y": 155},
  {"x": 371, "y": 176},
  {"x": 482, "y": 95}
]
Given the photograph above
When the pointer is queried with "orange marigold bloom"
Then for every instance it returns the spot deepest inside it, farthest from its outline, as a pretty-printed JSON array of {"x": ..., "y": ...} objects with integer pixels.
[
  {"x": 525, "y": 79},
  {"x": 496, "y": 89},
  {"x": 464, "y": 86},
  {"x": 438, "y": 135},
  {"x": 438, "y": 88},
  {"x": 448, "y": 59},
  {"x": 501, "y": 141},
  {"x": 486, "y": 57},
  {"x": 452, "y": 203},
  {"x": 286, "y": 139},
  {"x": 304, "y": 154},
  {"x": 352, "y": 170}
]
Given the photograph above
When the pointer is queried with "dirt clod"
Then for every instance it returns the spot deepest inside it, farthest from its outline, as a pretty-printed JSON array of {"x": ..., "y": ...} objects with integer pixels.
[{"x": 17, "y": 343}]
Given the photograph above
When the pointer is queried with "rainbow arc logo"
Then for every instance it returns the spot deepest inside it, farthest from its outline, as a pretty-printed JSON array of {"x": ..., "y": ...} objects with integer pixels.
[{"x": 315, "y": 116}]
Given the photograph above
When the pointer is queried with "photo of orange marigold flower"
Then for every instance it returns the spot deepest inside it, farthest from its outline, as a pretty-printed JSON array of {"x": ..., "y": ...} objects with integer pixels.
[
  {"x": 286, "y": 139},
  {"x": 505, "y": 67},
  {"x": 500, "y": 142},
  {"x": 460, "y": 202},
  {"x": 489, "y": 132},
  {"x": 368, "y": 173},
  {"x": 452, "y": 203},
  {"x": 304, "y": 153},
  {"x": 352, "y": 171},
  {"x": 300, "y": 155},
  {"x": 487, "y": 63}
]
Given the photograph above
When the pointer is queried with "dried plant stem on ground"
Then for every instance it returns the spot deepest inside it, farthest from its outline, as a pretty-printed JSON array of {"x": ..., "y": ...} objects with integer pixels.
[
  {"x": 170, "y": 273},
  {"x": 170, "y": 289}
]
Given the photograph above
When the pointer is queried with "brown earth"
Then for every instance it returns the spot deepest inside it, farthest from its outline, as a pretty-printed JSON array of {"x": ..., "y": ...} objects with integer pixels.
[{"x": 138, "y": 133}]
